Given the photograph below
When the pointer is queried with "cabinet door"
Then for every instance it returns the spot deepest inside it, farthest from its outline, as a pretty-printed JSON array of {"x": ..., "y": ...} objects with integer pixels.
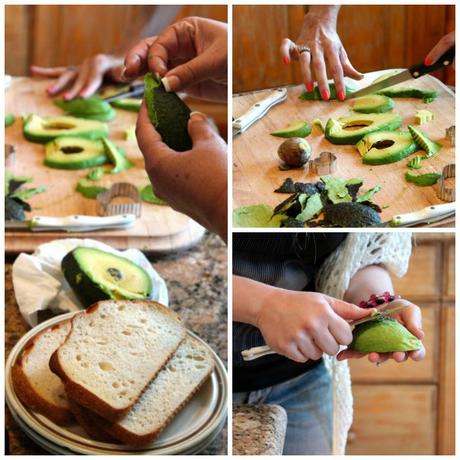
[{"x": 393, "y": 420}]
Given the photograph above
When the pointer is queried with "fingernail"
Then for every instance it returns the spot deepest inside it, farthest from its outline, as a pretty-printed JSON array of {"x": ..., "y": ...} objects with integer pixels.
[
  {"x": 325, "y": 95},
  {"x": 123, "y": 71},
  {"x": 309, "y": 86},
  {"x": 286, "y": 60},
  {"x": 50, "y": 89},
  {"x": 67, "y": 96},
  {"x": 83, "y": 93},
  {"x": 428, "y": 61},
  {"x": 341, "y": 95},
  {"x": 170, "y": 83},
  {"x": 197, "y": 116}
]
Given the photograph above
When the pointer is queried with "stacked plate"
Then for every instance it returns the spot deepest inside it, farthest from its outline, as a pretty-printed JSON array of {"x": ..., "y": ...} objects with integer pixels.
[{"x": 191, "y": 431}]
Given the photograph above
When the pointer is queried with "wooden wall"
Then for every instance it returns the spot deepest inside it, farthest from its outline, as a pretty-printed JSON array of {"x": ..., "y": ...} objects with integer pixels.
[
  {"x": 375, "y": 37},
  {"x": 52, "y": 35}
]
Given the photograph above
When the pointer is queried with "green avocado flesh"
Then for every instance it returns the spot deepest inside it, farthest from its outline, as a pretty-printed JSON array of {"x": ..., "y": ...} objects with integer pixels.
[
  {"x": 315, "y": 95},
  {"x": 116, "y": 156},
  {"x": 373, "y": 103},
  {"x": 384, "y": 147},
  {"x": 129, "y": 103},
  {"x": 168, "y": 114},
  {"x": 423, "y": 116},
  {"x": 88, "y": 189},
  {"x": 383, "y": 336},
  {"x": 258, "y": 215},
  {"x": 74, "y": 153},
  {"x": 296, "y": 129},
  {"x": 351, "y": 129},
  {"x": 422, "y": 180},
  {"x": 96, "y": 275},
  {"x": 9, "y": 119},
  {"x": 426, "y": 95},
  {"x": 43, "y": 130},
  {"x": 92, "y": 108},
  {"x": 148, "y": 195},
  {"x": 424, "y": 142}
]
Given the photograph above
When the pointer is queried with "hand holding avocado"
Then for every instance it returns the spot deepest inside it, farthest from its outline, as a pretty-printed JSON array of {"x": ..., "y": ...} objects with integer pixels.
[
  {"x": 190, "y": 55},
  {"x": 318, "y": 44}
]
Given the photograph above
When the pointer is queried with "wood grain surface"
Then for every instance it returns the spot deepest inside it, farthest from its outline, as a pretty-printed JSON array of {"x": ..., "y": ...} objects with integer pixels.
[
  {"x": 255, "y": 161},
  {"x": 159, "y": 229}
]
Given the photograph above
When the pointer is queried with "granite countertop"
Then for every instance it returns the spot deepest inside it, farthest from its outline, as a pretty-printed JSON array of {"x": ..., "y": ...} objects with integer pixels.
[{"x": 197, "y": 283}]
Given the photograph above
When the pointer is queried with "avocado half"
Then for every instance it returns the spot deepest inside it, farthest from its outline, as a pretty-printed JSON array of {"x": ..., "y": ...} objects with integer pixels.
[
  {"x": 43, "y": 130},
  {"x": 74, "y": 153},
  {"x": 383, "y": 336},
  {"x": 384, "y": 147},
  {"x": 96, "y": 275},
  {"x": 168, "y": 114},
  {"x": 351, "y": 129}
]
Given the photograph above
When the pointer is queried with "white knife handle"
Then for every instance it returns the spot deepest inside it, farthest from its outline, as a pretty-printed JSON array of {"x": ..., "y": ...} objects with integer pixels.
[
  {"x": 81, "y": 223},
  {"x": 256, "y": 352},
  {"x": 259, "y": 109},
  {"x": 430, "y": 212}
]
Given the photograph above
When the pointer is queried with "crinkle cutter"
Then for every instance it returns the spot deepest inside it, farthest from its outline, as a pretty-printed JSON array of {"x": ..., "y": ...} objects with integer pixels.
[
  {"x": 324, "y": 165},
  {"x": 107, "y": 205},
  {"x": 445, "y": 192},
  {"x": 382, "y": 311}
]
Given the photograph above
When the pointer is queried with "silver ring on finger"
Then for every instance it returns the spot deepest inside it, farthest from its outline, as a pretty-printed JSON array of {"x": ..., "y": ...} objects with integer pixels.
[
  {"x": 304, "y": 49},
  {"x": 71, "y": 67}
]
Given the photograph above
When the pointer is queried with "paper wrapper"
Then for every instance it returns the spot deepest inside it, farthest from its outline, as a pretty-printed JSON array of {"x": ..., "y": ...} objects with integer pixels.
[{"x": 39, "y": 283}]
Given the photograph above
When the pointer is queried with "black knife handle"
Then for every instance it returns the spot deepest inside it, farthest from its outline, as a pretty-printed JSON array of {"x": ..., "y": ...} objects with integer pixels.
[
  {"x": 421, "y": 69},
  {"x": 136, "y": 90}
]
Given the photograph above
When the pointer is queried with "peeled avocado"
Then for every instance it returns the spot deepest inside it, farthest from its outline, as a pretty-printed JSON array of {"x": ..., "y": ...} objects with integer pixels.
[
  {"x": 424, "y": 142},
  {"x": 43, "y": 130},
  {"x": 92, "y": 108},
  {"x": 168, "y": 114},
  {"x": 373, "y": 103},
  {"x": 383, "y": 336},
  {"x": 384, "y": 147},
  {"x": 129, "y": 103},
  {"x": 96, "y": 275},
  {"x": 296, "y": 129},
  {"x": 336, "y": 130}
]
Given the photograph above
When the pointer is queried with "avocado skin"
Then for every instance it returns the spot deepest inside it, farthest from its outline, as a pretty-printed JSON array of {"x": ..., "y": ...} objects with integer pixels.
[
  {"x": 350, "y": 214},
  {"x": 168, "y": 114},
  {"x": 87, "y": 291},
  {"x": 383, "y": 336}
]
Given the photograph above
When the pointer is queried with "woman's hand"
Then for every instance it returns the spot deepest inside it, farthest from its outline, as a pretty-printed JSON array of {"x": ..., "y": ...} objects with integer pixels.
[
  {"x": 193, "y": 182},
  {"x": 411, "y": 318},
  {"x": 304, "y": 325},
  {"x": 83, "y": 80},
  {"x": 190, "y": 55},
  {"x": 446, "y": 42},
  {"x": 317, "y": 47}
]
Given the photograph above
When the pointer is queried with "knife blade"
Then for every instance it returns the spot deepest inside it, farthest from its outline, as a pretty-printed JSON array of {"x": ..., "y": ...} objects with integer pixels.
[
  {"x": 413, "y": 72},
  {"x": 258, "y": 110},
  {"x": 74, "y": 223},
  {"x": 135, "y": 90},
  {"x": 433, "y": 213}
]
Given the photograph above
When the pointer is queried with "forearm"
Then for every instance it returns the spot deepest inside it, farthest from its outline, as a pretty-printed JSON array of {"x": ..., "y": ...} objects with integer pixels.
[{"x": 373, "y": 279}]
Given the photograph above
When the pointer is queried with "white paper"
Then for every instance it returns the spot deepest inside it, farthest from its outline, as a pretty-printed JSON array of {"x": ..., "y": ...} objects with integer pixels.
[{"x": 39, "y": 283}]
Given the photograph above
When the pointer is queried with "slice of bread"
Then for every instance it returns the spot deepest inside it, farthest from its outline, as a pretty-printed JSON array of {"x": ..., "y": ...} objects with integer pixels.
[
  {"x": 162, "y": 400},
  {"x": 113, "y": 351},
  {"x": 35, "y": 384}
]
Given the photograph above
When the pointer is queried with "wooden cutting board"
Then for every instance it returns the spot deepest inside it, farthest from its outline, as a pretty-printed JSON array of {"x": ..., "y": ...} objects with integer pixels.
[
  {"x": 160, "y": 229},
  {"x": 255, "y": 160}
]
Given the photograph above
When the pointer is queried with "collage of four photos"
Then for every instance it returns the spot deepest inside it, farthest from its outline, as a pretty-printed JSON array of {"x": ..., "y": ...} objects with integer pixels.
[{"x": 229, "y": 229}]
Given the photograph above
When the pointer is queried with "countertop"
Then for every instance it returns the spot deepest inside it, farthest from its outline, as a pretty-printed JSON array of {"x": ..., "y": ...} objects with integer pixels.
[{"x": 197, "y": 283}]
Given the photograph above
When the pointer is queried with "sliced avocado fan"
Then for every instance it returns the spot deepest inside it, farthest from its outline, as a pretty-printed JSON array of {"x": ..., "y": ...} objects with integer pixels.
[
  {"x": 296, "y": 129},
  {"x": 384, "y": 147},
  {"x": 424, "y": 142},
  {"x": 373, "y": 103},
  {"x": 168, "y": 114}
]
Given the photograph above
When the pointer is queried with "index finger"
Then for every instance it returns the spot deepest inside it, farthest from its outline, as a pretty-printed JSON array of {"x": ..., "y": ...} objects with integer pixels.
[
  {"x": 136, "y": 59},
  {"x": 411, "y": 317}
]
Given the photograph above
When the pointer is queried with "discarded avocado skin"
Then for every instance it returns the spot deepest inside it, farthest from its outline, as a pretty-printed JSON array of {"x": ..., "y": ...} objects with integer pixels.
[{"x": 350, "y": 214}]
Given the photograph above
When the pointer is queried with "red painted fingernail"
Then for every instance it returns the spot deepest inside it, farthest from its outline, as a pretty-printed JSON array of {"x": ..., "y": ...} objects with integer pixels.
[
  {"x": 341, "y": 95},
  {"x": 50, "y": 89},
  {"x": 325, "y": 95},
  {"x": 286, "y": 60},
  {"x": 428, "y": 61},
  {"x": 309, "y": 86},
  {"x": 82, "y": 93},
  {"x": 67, "y": 96}
]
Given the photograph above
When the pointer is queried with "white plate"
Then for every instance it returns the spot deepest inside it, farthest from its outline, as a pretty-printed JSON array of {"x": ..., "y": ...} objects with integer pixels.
[{"x": 195, "y": 426}]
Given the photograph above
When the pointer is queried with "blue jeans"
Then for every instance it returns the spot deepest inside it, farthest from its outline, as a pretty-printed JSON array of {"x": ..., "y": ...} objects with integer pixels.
[{"x": 307, "y": 400}]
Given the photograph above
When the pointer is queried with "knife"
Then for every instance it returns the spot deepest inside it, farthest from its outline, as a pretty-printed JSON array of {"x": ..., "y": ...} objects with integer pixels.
[
  {"x": 413, "y": 72},
  {"x": 433, "y": 213},
  {"x": 258, "y": 110},
  {"x": 134, "y": 90},
  {"x": 75, "y": 223}
]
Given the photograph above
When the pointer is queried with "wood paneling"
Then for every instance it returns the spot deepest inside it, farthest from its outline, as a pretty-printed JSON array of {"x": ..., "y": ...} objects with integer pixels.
[
  {"x": 449, "y": 289},
  {"x": 375, "y": 36},
  {"x": 395, "y": 419},
  {"x": 17, "y": 36}
]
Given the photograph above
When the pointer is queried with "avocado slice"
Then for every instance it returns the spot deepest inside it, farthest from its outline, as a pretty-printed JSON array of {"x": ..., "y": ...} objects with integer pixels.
[
  {"x": 168, "y": 114},
  {"x": 351, "y": 129},
  {"x": 383, "y": 336},
  {"x": 296, "y": 129},
  {"x": 88, "y": 189},
  {"x": 43, "y": 130},
  {"x": 116, "y": 155},
  {"x": 9, "y": 119},
  {"x": 373, "y": 103},
  {"x": 96, "y": 275},
  {"x": 91, "y": 108},
  {"x": 422, "y": 180},
  {"x": 424, "y": 142},
  {"x": 426, "y": 95},
  {"x": 423, "y": 116},
  {"x": 74, "y": 153},
  {"x": 415, "y": 163},
  {"x": 384, "y": 147},
  {"x": 315, "y": 95},
  {"x": 128, "y": 103}
]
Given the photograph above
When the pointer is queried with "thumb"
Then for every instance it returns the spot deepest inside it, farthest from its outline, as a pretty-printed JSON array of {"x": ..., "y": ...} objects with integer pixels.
[
  {"x": 200, "y": 129},
  {"x": 347, "y": 310}
]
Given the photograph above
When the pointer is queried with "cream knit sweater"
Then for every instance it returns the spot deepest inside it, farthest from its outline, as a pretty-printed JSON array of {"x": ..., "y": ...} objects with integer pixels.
[{"x": 390, "y": 249}]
